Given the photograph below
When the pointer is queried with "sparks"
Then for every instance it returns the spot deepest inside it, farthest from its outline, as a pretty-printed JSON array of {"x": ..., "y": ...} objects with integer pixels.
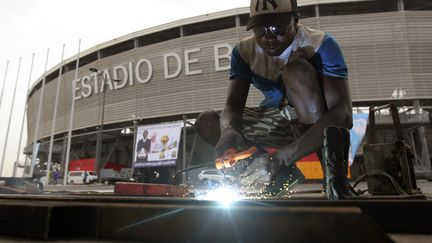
[{"x": 224, "y": 195}]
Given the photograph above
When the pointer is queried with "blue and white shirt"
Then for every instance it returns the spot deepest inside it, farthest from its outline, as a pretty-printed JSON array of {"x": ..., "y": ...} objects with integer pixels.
[{"x": 249, "y": 62}]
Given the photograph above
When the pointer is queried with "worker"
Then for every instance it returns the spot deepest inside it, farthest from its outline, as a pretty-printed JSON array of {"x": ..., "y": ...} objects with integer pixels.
[{"x": 302, "y": 75}]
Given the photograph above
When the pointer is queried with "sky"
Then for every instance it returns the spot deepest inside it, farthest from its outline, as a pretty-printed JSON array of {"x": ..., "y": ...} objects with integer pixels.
[{"x": 34, "y": 26}]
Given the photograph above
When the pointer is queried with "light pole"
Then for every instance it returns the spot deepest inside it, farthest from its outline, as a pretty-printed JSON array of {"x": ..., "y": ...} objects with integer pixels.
[{"x": 99, "y": 137}]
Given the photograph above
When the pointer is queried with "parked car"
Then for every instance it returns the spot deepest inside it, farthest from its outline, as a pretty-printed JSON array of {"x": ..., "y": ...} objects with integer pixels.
[
  {"x": 77, "y": 177},
  {"x": 213, "y": 175},
  {"x": 110, "y": 176}
]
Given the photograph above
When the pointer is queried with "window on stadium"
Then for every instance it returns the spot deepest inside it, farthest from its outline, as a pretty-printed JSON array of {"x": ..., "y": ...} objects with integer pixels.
[
  {"x": 158, "y": 37},
  {"x": 307, "y": 11},
  {"x": 358, "y": 7},
  {"x": 117, "y": 48},
  {"x": 208, "y": 26},
  {"x": 417, "y": 5}
]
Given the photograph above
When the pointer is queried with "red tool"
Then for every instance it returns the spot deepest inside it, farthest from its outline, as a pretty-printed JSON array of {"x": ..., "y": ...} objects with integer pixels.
[{"x": 232, "y": 156}]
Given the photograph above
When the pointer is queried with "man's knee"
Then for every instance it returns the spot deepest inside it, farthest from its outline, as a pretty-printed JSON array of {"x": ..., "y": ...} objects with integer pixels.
[
  {"x": 300, "y": 75},
  {"x": 304, "y": 90},
  {"x": 207, "y": 126}
]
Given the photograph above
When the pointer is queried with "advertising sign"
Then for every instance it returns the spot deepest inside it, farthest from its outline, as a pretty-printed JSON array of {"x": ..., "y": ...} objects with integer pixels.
[
  {"x": 157, "y": 145},
  {"x": 357, "y": 133}
]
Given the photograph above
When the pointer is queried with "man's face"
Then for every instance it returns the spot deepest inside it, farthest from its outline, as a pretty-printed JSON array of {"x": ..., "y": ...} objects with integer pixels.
[
  {"x": 145, "y": 134},
  {"x": 275, "y": 39}
]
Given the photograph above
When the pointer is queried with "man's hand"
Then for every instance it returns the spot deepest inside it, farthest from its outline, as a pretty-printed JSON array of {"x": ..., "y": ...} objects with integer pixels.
[
  {"x": 272, "y": 164},
  {"x": 230, "y": 138},
  {"x": 274, "y": 161}
]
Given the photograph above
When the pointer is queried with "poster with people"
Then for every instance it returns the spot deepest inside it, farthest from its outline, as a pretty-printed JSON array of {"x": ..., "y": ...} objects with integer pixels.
[{"x": 157, "y": 145}]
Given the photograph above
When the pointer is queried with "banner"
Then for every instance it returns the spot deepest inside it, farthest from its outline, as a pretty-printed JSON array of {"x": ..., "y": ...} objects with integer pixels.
[
  {"x": 157, "y": 145},
  {"x": 357, "y": 132}
]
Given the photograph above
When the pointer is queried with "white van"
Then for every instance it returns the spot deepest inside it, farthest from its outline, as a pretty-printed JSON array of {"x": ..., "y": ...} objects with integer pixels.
[{"x": 77, "y": 177}]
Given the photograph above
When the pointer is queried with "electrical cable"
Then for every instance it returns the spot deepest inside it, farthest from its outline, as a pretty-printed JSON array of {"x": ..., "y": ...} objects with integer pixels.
[{"x": 383, "y": 173}]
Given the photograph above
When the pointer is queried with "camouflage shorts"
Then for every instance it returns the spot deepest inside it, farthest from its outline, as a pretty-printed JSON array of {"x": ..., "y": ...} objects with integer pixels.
[{"x": 271, "y": 127}]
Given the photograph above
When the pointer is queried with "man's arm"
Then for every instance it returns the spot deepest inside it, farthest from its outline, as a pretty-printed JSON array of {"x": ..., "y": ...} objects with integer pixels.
[
  {"x": 339, "y": 113},
  {"x": 231, "y": 116}
]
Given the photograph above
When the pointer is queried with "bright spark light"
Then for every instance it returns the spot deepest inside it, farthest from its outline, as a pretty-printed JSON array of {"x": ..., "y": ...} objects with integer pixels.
[{"x": 224, "y": 195}]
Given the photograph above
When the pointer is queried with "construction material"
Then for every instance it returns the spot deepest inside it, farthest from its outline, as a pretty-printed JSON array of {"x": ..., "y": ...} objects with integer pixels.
[{"x": 150, "y": 189}]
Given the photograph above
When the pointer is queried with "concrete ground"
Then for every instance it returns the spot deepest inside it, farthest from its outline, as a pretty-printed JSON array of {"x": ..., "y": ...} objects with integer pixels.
[
  {"x": 302, "y": 190},
  {"x": 306, "y": 190}
]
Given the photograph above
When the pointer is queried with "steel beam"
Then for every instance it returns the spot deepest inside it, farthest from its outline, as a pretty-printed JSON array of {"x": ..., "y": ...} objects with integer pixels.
[{"x": 186, "y": 220}]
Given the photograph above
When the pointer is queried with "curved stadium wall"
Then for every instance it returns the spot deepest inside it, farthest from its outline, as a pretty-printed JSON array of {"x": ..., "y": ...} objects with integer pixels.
[{"x": 182, "y": 67}]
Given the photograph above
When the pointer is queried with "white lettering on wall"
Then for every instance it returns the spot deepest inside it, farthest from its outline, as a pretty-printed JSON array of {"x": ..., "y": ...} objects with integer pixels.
[
  {"x": 86, "y": 87},
  {"x": 131, "y": 79},
  {"x": 120, "y": 73},
  {"x": 225, "y": 55},
  {"x": 189, "y": 61},
  {"x": 177, "y": 58},
  {"x": 142, "y": 72},
  {"x": 106, "y": 80},
  {"x": 75, "y": 89},
  {"x": 149, "y": 71},
  {"x": 94, "y": 77}
]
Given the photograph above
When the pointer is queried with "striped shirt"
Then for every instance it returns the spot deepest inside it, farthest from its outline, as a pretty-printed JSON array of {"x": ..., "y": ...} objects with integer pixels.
[{"x": 249, "y": 62}]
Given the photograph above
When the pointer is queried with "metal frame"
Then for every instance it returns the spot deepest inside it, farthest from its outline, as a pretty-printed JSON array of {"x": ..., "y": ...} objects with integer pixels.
[{"x": 181, "y": 220}]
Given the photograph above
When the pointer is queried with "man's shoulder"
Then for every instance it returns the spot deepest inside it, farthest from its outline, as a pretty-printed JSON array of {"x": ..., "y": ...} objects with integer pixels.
[
  {"x": 310, "y": 39},
  {"x": 250, "y": 40},
  {"x": 323, "y": 50},
  {"x": 246, "y": 47}
]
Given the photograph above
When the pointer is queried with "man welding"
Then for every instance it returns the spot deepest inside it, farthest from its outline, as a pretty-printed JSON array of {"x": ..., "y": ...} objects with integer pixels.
[{"x": 302, "y": 75}]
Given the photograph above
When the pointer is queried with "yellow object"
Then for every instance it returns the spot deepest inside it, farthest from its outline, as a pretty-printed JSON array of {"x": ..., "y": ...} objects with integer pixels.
[
  {"x": 312, "y": 170},
  {"x": 164, "y": 140}
]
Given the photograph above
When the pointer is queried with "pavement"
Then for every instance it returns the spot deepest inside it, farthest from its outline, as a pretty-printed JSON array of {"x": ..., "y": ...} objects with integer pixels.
[
  {"x": 311, "y": 190},
  {"x": 95, "y": 187}
]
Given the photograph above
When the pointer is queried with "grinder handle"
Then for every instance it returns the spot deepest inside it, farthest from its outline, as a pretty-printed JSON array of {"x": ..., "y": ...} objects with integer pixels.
[{"x": 231, "y": 157}]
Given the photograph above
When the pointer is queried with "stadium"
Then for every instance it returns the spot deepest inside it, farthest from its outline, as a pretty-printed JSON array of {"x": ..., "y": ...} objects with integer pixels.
[{"x": 172, "y": 72}]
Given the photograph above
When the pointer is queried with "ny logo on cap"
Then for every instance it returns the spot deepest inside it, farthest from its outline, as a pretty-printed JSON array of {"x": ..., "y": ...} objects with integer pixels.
[{"x": 264, "y": 5}]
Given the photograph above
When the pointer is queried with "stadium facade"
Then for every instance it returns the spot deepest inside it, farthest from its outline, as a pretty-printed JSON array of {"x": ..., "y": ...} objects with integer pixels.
[{"x": 181, "y": 68}]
